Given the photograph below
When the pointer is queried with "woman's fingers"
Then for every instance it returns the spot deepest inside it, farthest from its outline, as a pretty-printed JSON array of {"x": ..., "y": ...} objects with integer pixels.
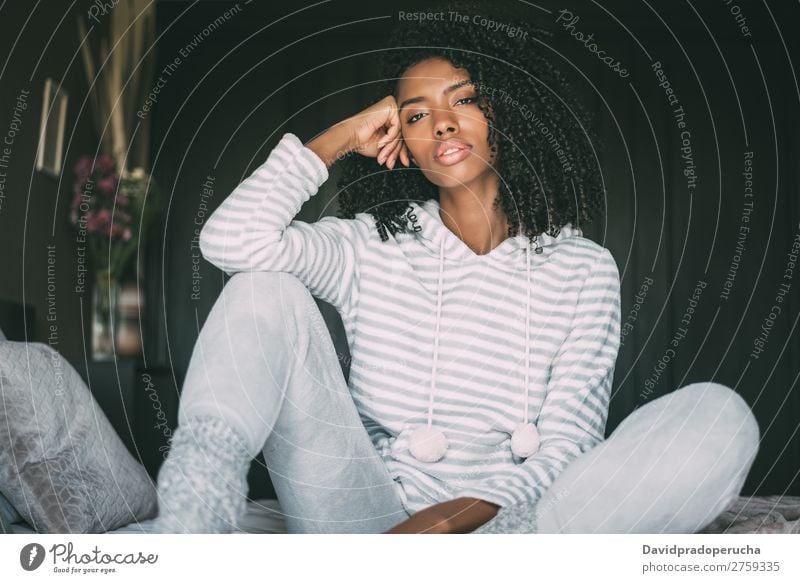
[
  {"x": 404, "y": 156},
  {"x": 390, "y": 145},
  {"x": 391, "y": 152},
  {"x": 392, "y": 157},
  {"x": 391, "y": 134},
  {"x": 384, "y": 152},
  {"x": 392, "y": 131},
  {"x": 399, "y": 154}
]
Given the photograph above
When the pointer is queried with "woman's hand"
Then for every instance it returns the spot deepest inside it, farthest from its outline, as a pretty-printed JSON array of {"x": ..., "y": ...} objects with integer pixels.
[
  {"x": 374, "y": 132},
  {"x": 377, "y": 133}
]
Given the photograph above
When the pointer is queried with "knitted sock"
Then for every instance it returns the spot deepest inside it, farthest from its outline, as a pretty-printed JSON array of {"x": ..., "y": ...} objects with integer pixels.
[
  {"x": 518, "y": 518},
  {"x": 202, "y": 485}
]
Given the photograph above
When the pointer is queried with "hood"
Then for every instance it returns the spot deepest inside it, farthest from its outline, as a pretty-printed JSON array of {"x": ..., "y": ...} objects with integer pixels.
[{"x": 432, "y": 232}]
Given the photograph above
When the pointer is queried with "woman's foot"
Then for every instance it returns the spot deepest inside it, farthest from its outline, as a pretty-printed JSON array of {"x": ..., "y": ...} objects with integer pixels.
[{"x": 202, "y": 485}]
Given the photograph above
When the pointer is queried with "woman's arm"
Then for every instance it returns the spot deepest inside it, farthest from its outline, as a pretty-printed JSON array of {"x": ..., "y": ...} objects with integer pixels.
[
  {"x": 461, "y": 515},
  {"x": 333, "y": 144},
  {"x": 253, "y": 229}
]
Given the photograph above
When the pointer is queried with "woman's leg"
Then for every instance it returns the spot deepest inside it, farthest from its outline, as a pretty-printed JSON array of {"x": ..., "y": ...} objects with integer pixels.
[
  {"x": 671, "y": 466},
  {"x": 265, "y": 365}
]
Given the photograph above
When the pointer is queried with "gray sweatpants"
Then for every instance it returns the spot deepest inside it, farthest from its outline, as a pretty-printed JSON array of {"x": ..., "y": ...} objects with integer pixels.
[{"x": 265, "y": 362}]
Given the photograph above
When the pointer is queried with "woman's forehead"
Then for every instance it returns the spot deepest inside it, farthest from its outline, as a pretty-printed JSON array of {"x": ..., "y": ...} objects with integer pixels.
[{"x": 431, "y": 72}]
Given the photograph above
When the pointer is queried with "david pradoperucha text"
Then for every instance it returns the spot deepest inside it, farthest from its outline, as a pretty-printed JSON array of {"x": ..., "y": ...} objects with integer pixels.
[{"x": 700, "y": 550}]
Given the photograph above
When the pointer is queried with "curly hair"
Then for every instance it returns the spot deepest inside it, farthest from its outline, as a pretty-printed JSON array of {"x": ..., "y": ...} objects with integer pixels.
[{"x": 542, "y": 135}]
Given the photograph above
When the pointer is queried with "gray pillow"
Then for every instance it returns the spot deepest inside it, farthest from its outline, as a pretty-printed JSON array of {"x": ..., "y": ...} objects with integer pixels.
[
  {"x": 8, "y": 514},
  {"x": 62, "y": 466}
]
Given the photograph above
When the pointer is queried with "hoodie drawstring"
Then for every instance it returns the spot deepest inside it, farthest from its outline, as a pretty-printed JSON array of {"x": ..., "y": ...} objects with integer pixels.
[
  {"x": 525, "y": 439},
  {"x": 428, "y": 444}
]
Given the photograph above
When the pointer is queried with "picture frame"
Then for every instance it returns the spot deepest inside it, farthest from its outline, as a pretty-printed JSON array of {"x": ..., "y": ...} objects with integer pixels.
[{"x": 50, "y": 154}]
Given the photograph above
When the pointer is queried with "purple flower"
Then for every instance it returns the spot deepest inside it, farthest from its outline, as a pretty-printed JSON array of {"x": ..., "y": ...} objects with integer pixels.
[
  {"x": 105, "y": 163},
  {"x": 127, "y": 234},
  {"x": 108, "y": 185}
]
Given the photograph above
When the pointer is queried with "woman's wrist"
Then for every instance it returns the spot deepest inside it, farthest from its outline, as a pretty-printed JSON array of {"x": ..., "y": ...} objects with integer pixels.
[
  {"x": 333, "y": 144},
  {"x": 466, "y": 514},
  {"x": 458, "y": 516}
]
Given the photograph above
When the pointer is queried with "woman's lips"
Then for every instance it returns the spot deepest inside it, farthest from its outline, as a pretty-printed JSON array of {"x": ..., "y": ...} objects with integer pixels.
[{"x": 453, "y": 153}]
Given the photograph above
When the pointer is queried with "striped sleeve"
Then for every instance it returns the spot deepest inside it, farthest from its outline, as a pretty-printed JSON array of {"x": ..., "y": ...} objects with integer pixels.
[
  {"x": 253, "y": 229},
  {"x": 574, "y": 413}
]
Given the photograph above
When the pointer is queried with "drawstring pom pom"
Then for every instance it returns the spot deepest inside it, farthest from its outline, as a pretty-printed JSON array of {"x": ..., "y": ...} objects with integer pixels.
[
  {"x": 525, "y": 440},
  {"x": 427, "y": 444}
]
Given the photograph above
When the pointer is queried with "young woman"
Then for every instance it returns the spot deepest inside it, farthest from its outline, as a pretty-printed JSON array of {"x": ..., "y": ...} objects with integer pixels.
[{"x": 483, "y": 327}]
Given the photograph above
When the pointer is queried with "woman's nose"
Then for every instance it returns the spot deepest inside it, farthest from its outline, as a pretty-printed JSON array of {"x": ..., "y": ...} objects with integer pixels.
[{"x": 445, "y": 123}]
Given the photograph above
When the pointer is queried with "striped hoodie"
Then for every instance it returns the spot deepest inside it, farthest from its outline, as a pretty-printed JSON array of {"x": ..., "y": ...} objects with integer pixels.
[{"x": 393, "y": 296}]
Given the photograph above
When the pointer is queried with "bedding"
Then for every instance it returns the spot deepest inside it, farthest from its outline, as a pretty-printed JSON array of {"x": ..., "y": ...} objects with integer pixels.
[
  {"x": 758, "y": 515},
  {"x": 62, "y": 466},
  {"x": 747, "y": 515}
]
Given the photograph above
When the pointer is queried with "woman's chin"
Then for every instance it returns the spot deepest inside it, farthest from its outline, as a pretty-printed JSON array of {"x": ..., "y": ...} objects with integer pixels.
[{"x": 453, "y": 177}]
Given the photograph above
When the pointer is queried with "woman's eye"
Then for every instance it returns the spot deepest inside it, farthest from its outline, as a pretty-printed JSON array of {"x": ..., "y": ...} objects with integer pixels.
[{"x": 464, "y": 100}]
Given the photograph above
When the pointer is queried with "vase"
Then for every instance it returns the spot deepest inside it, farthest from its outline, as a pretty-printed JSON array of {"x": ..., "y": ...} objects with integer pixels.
[
  {"x": 105, "y": 302},
  {"x": 129, "y": 340}
]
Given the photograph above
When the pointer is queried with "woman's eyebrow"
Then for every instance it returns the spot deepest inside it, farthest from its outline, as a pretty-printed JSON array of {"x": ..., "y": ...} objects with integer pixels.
[{"x": 445, "y": 92}]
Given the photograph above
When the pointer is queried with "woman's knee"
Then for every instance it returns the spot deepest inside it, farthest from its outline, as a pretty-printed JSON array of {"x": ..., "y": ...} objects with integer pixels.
[
  {"x": 724, "y": 411},
  {"x": 265, "y": 293},
  {"x": 271, "y": 304}
]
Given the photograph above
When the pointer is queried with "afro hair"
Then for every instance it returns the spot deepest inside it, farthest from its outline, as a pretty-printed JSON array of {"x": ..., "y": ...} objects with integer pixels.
[{"x": 545, "y": 143}]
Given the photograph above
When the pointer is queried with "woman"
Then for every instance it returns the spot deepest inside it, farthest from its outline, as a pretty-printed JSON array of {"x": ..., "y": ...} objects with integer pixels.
[{"x": 483, "y": 327}]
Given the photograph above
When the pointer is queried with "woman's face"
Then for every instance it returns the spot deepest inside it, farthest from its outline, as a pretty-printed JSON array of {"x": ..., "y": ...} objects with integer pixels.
[{"x": 439, "y": 112}]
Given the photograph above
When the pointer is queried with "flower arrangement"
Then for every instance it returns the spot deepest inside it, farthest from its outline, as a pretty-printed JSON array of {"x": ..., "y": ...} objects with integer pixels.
[{"x": 114, "y": 210}]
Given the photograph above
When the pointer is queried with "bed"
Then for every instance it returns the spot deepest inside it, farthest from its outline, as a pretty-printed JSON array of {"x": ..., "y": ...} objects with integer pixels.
[
  {"x": 80, "y": 477},
  {"x": 746, "y": 515}
]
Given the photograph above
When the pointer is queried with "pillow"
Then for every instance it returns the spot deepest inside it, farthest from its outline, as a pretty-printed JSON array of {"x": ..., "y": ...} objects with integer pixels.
[
  {"x": 8, "y": 513},
  {"x": 8, "y": 516},
  {"x": 62, "y": 466}
]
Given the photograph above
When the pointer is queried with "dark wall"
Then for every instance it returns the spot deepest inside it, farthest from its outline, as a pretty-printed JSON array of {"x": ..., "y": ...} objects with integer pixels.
[{"x": 34, "y": 206}]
